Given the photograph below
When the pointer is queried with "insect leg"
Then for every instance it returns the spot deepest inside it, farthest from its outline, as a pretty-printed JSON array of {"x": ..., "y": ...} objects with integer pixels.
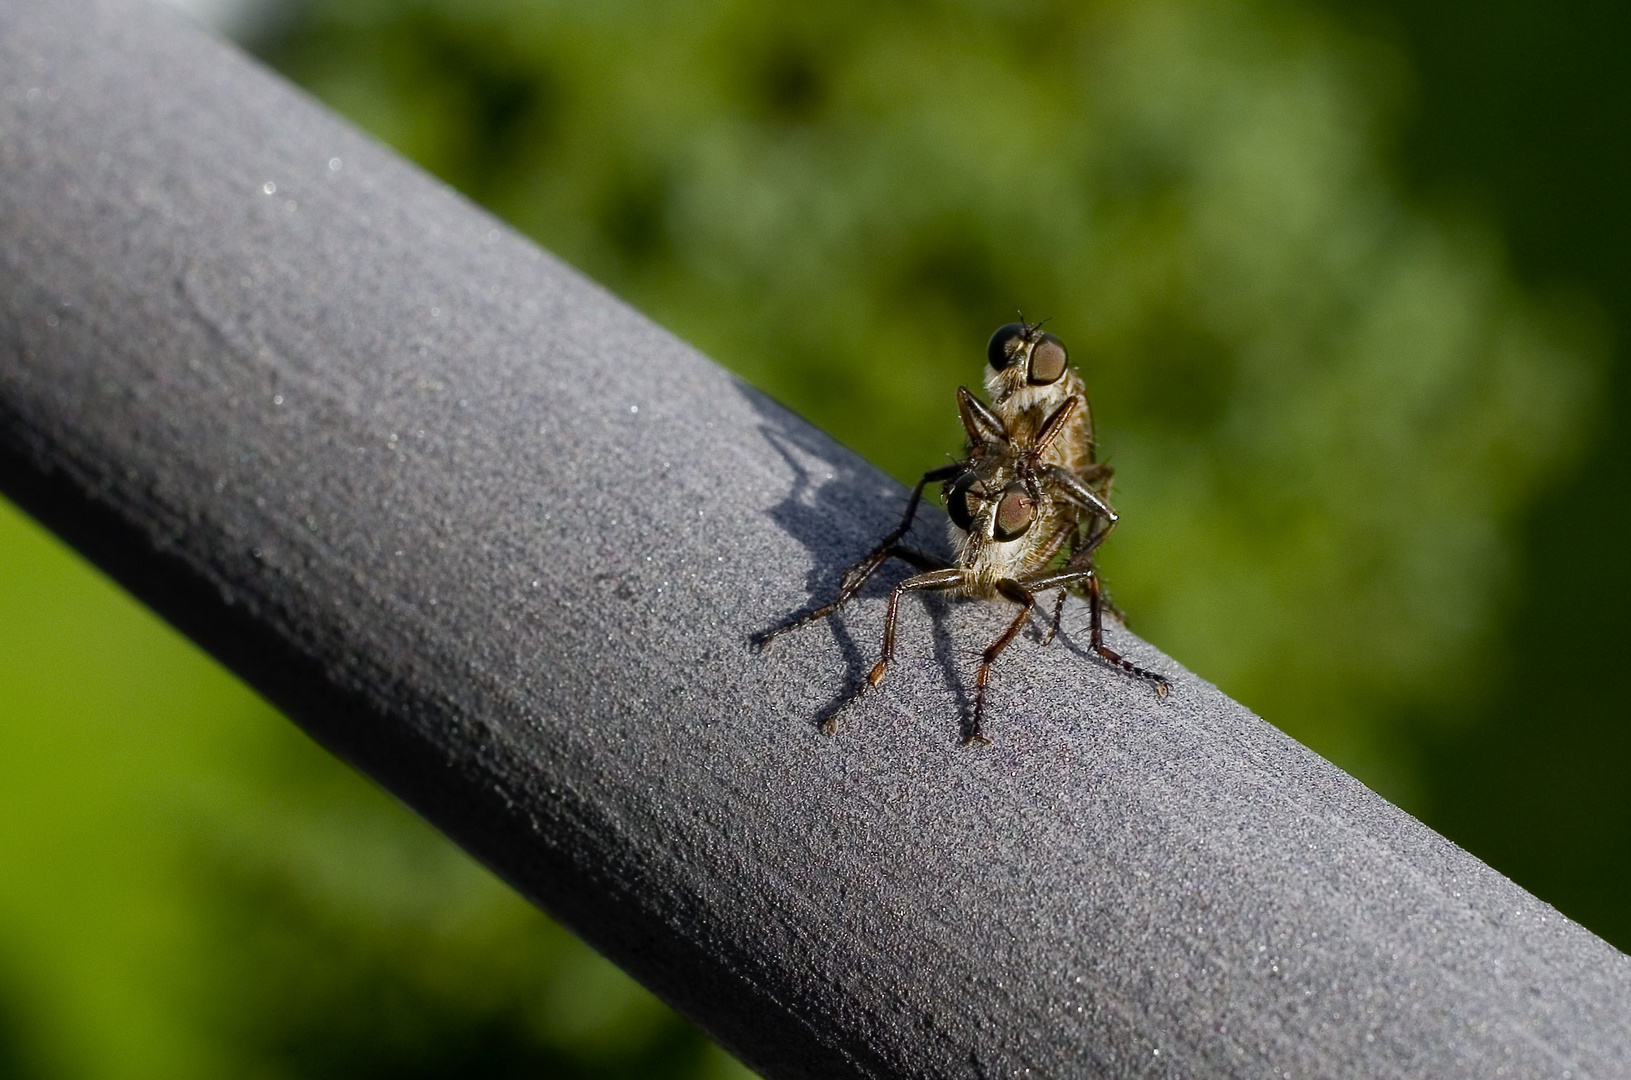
[
  {"x": 1067, "y": 530},
  {"x": 1089, "y": 576},
  {"x": 1102, "y": 520},
  {"x": 1019, "y": 594},
  {"x": 1095, "y": 537},
  {"x": 858, "y": 575},
  {"x": 1080, "y": 494},
  {"x": 1095, "y": 602},
  {"x": 948, "y": 578},
  {"x": 1058, "y": 617},
  {"x": 1059, "y": 601},
  {"x": 920, "y": 559}
]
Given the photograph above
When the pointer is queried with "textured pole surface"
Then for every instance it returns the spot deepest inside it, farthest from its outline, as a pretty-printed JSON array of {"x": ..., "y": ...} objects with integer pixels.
[{"x": 500, "y": 542}]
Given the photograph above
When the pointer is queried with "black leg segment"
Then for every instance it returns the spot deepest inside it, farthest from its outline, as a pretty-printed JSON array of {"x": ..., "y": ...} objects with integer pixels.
[{"x": 1008, "y": 589}]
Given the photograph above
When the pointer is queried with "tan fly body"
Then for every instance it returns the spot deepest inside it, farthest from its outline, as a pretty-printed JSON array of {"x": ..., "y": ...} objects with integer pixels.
[{"x": 1028, "y": 506}]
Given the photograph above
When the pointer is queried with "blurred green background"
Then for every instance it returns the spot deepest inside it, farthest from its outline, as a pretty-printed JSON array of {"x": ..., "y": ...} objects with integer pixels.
[{"x": 1347, "y": 284}]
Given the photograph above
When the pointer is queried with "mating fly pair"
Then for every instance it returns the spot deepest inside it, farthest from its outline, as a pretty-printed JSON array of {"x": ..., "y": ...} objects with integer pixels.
[{"x": 1029, "y": 505}]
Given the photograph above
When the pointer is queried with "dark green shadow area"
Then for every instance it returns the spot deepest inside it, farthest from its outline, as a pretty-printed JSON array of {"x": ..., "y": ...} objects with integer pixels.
[
  {"x": 190, "y": 887},
  {"x": 17, "y": 1058},
  {"x": 1523, "y": 111}
]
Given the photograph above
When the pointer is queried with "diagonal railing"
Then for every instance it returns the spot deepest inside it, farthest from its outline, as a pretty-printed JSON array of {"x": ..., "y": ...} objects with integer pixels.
[{"x": 500, "y": 542}]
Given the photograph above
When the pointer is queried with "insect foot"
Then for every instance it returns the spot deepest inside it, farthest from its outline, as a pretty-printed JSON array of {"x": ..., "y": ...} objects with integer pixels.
[{"x": 1028, "y": 505}]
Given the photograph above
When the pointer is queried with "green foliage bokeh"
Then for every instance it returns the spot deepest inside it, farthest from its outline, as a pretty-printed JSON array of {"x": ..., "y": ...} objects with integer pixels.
[
  {"x": 190, "y": 888},
  {"x": 1326, "y": 407},
  {"x": 1330, "y": 409}
]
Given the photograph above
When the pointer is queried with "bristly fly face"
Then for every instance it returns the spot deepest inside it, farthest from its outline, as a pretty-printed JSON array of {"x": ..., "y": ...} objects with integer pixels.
[
  {"x": 1026, "y": 488},
  {"x": 1020, "y": 358},
  {"x": 1008, "y": 516},
  {"x": 1028, "y": 376}
]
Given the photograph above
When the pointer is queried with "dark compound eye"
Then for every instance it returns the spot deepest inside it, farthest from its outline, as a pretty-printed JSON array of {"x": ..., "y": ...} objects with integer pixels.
[
  {"x": 1048, "y": 360},
  {"x": 1006, "y": 346},
  {"x": 1015, "y": 512},
  {"x": 964, "y": 501}
]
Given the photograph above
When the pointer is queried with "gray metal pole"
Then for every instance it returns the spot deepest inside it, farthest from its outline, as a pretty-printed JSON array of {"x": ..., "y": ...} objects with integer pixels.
[{"x": 500, "y": 542}]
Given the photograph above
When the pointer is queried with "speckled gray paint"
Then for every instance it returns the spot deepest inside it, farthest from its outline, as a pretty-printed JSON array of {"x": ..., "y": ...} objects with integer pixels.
[{"x": 500, "y": 541}]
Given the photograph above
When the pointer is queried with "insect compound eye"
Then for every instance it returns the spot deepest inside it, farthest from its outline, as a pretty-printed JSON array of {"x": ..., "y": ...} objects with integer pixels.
[
  {"x": 1048, "y": 360},
  {"x": 1015, "y": 512},
  {"x": 1006, "y": 346},
  {"x": 967, "y": 493}
]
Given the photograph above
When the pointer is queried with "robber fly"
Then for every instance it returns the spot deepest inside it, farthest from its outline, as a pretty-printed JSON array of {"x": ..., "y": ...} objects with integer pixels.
[
  {"x": 1026, "y": 495},
  {"x": 1028, "y": 375}
]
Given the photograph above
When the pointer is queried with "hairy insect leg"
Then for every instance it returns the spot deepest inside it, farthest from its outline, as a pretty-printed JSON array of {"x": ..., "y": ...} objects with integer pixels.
[
  {"x": 1095, "y": 602},
  {"x": 859, "y": 574},
  {"x": 1009, "y": 589},
  {"x": 1088, "y": 577},
  {"x": 1071, "y": 564},
  {"x": 1103, "y": 514},
  {"x": 920, "y": 559},
  {"x": 1108, "y": 602},
  {"x": 1058, "y": 615},
  {"x": 1081, "y": 558},
  {"x": 948, "y": 578},
  {"x": 1102, "y": 522}
]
